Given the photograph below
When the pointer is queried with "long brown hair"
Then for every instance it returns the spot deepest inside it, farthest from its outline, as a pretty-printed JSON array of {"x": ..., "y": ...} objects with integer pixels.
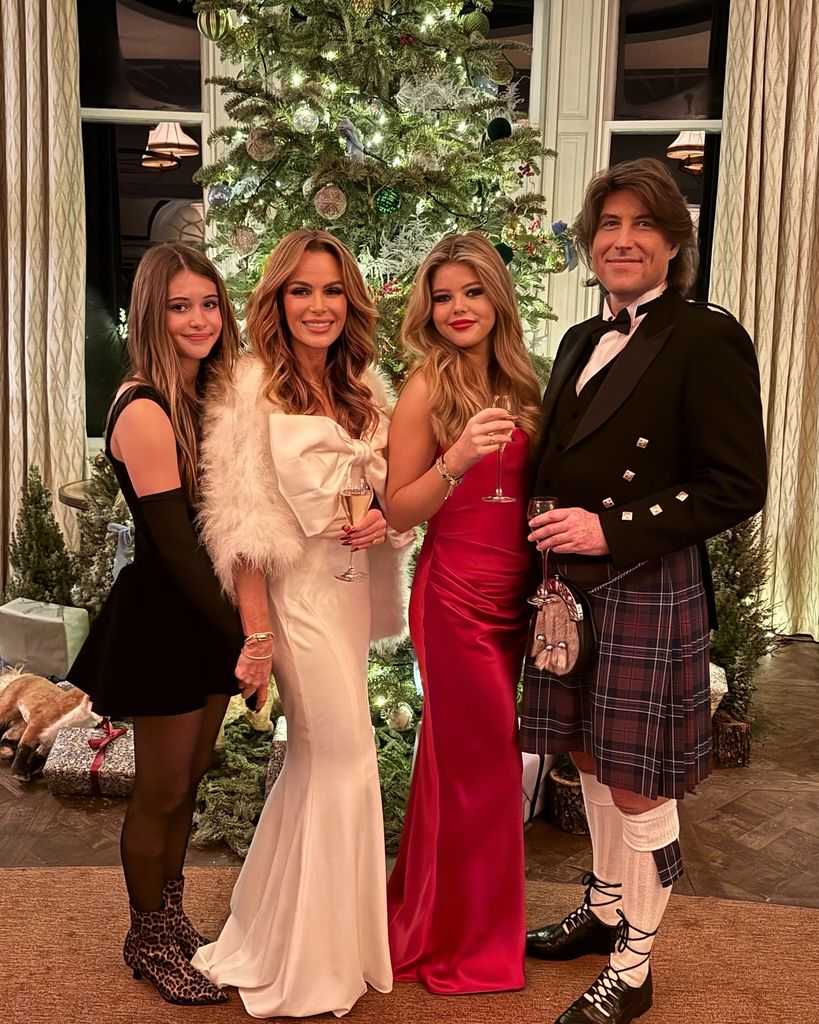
[
  {"x": 457, "y": 387},
  {"x": 652, "y": 183},
  {"x": 348, "y": 357},
  {"x": 153, "y": 357}
]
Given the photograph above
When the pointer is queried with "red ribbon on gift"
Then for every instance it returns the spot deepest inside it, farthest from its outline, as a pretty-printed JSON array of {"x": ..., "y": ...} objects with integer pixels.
[{"x": 99, "y": 743}]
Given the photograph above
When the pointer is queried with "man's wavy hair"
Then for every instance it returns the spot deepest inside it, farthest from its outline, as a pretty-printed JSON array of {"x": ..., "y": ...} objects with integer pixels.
[
  {"x": 651, "y": 182},
  {"x": 348, "y": 358}
]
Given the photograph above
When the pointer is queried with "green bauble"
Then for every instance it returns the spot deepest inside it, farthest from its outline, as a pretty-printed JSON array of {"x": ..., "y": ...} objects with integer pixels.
[
  {"x": 499, "y": 128},
  {"x": 214, "y": 25},
  {"x": 475, "y": 21},
  {"x": 387, "y": 199},
  {"x": 505, "y": 252},
  {"x": 503, "y": 72},
  {"x": 245, "y": 36},
  {"x": 362, "y": 8}
]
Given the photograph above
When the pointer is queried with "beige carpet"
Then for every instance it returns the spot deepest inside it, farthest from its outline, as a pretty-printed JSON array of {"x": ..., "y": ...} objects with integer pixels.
[{"x": 717, "y": 962}]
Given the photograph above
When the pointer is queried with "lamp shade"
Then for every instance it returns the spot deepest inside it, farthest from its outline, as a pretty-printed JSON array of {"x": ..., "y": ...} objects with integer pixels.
[
  {"x": 686, "y": 146},
  {"x": 169, "y": 138},
  {"x": 159, "y": 161}
]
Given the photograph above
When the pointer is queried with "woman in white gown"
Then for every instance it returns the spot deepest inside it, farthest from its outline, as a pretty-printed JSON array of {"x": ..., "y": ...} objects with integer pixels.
[{"x": 307, "y": 930}]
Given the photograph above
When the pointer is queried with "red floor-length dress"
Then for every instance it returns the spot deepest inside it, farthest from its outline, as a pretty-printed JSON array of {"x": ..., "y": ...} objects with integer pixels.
[{"x": 455, "y": 897}]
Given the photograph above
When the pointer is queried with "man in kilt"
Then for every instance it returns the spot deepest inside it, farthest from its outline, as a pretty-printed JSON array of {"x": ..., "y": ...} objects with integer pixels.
[{"x": 652, "y": 442}]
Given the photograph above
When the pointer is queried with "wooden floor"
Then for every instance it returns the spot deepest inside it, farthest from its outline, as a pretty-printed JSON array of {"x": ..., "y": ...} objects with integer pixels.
[{"x": 750, "y": 833}]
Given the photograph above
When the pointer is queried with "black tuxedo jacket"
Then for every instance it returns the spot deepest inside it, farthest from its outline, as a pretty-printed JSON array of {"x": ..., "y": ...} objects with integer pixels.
[{"x": 671, "y": 449}]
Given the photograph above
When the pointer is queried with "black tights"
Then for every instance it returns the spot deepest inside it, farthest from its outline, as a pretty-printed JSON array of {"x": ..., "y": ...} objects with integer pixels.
[{"x": 172, "y": 754}]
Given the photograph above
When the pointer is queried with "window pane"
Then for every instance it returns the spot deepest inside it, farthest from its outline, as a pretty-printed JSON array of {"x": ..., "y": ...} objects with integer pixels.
[
  {"x": 129, "y": 207},
  {"x": 671, "y": 59},
  {"x": 139, "y": 54},
  {"x": 699, "y": 189},
  {"x": 513, "y": 20}
]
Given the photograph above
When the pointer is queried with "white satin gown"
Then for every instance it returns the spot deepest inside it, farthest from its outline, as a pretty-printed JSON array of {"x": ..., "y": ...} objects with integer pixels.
[{"x": 307, "y": 931}]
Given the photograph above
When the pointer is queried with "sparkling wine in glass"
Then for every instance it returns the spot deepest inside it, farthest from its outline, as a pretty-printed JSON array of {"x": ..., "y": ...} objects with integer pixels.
[
  {"x": 355, "y": 498},
  {"x": 538, "y": 505},
  {"x": 499, "y": 498}
]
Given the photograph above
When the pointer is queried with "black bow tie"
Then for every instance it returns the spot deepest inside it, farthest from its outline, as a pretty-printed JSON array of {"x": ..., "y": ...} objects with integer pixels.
[{"x": 621, "y": 323}]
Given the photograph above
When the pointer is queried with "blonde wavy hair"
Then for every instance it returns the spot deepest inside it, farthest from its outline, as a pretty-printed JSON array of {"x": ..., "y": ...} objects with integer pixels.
[
  {"x": 457, "y": 388},
  {"x": 348, "y": 357},
  {"x": 152, "y": 354}
]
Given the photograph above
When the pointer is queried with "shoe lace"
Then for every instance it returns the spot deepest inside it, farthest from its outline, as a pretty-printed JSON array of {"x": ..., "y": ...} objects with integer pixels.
[
  {"x": 592, "y": 883},
  {"x": 608, "y": 986}
]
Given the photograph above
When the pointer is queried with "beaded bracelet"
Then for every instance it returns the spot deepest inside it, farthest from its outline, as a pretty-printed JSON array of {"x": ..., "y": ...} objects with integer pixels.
[{"x": 450, "y": 478}]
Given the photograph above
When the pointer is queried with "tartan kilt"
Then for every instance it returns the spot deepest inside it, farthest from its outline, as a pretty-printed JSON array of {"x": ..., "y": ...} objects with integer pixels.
[{"x": 642, "y": 708}]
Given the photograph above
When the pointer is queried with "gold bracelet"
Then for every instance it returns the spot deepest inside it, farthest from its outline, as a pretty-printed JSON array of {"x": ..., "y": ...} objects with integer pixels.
[
  {"x": 257, "y": 657},
  {"x": 258, "y": 638},
  {"x": 450, "y": 478}
]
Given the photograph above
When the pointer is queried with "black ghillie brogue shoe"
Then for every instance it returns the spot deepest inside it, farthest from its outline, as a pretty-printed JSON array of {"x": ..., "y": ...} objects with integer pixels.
[
  {"x": 608, "y": 1000},
  {"x": 582, "y": 933}
]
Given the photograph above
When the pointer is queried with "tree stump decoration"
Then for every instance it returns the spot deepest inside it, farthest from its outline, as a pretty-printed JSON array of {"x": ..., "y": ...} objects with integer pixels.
[
  {"x": 564, "y": 802},
  {"x": 731, "y": 741}
]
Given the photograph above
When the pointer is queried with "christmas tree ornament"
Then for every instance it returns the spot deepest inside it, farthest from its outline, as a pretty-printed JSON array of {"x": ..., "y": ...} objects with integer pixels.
[
  {"x": 244, "y": 240},
  {"x": 330, "y": 202},
  {"x": 503, "y": 72},
  {"x": 214, "y": 25},
  {"x": 387, "y": 199},
  {"x": 398, "y": 717},
  {"x": 475, "y": 21},
  {"x": 219, "y": 195},
  {"x": 498, "y": 128},
  {"x": 347, "y": 130},
  {"x": 407, "y": 40},
  {"x": 362, "y": 9},
  {"x": 309, "y": 187},
  {"x": 305, "y": 120},
  {"x": 505, "y": 252},
  {"x": 261, "y": 144},
  {"x": 427, "y": 64},
  {"x": 245, "y": 36},
  {"x": 486, "y": 85}
]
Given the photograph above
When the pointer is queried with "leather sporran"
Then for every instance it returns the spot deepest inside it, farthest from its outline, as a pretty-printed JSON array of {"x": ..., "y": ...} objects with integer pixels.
[{"x": 563, "y": 637}]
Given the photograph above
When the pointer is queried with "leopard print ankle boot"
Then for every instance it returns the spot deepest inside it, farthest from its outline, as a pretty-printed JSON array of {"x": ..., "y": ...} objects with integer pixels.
[
  {"x": 187, "y": 937},
  {"x": 151, "y": 952}
]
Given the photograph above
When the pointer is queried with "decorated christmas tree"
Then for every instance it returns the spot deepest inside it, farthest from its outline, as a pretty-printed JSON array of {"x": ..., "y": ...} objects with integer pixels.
[
  {"x": 40, "y": 562},
  {"x": 387, "y": 122},
  {"x": 94, "y": 561}
]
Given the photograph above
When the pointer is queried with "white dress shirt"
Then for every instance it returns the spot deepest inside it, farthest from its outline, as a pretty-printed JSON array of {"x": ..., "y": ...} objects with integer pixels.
[{"x": 612, "y": 343}]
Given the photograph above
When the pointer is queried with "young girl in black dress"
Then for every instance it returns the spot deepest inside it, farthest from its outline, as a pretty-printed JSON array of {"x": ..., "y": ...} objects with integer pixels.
[{"x": 164, "y": 648}]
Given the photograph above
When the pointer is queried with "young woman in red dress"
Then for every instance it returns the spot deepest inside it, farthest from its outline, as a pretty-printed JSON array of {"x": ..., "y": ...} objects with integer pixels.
[{"x": 455, "y": 898}]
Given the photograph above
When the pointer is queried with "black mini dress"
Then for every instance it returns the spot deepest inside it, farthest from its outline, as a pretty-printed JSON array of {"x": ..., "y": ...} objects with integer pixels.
[{"x": 166, "y": 636}]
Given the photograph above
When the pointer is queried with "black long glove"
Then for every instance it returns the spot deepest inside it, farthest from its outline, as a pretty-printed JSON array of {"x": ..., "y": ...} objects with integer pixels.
[{"x": 174, "y": 539}]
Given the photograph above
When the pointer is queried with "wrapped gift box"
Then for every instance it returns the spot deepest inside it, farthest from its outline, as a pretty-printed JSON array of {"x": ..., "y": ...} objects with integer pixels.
[
  {"x": 719, "y": 686},
  {"x": 45, "y": 638},
  {"x": 91, "y": 762},
  {"x": 277, "y": 753}
]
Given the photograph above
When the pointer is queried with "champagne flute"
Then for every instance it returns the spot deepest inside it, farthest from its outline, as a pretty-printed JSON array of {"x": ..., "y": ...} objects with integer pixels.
[
  {"x": 536, "y": 507},
  {"x": 355, "y": 498},
  {"x": 499, "y": 498}
]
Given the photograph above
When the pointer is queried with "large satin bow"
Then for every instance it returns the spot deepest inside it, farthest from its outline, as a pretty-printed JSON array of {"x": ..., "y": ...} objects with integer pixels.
[{"x": 312, "y": 456}]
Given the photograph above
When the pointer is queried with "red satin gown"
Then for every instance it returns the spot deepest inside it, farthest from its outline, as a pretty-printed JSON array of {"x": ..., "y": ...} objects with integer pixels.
[{"x": 455, "y": 898}]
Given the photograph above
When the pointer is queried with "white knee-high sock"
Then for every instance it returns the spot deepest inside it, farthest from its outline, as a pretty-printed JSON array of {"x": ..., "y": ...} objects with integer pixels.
[
  {"x": 644, "y": 898},
  {"x": 606, "y": 830}
]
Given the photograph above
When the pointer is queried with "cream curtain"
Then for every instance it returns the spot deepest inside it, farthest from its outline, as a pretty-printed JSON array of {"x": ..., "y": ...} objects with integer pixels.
[
  {"x": 766, "y": 269},
  {"x": 42, "y": 253}
]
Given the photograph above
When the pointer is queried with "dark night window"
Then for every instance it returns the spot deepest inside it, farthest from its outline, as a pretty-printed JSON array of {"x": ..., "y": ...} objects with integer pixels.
[
  {"x": 671, "y": 59},
  {"x": 139, "y": 54}
]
